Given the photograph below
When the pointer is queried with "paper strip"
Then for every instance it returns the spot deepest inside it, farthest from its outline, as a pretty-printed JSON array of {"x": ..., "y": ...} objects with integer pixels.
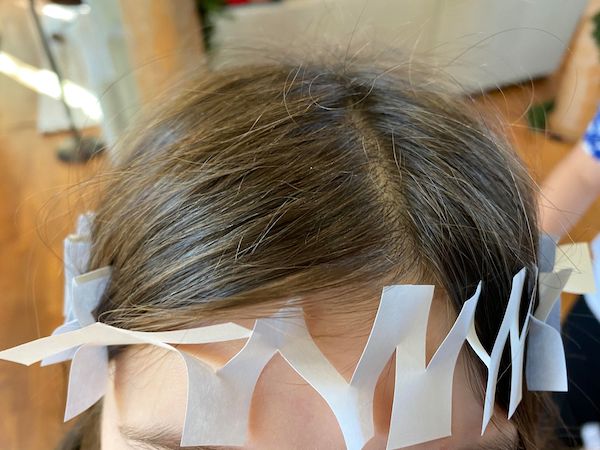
[
  {"x": 218, "y": 407},
  {"x": 517, "y": 353},
  {"x": 76, "y": 260},
  {"x": 550, "y": 287},
  {"x": 76, "y": 255},
  {"x": 87, "y": 379},
  {"x": 67, "y": 354},
  {"x": 428, "y": 390},
  {"x": 85, "y": 222},
  {"x": 546, "y": 253},
  {"x": 102, "y": 334},
  {"x": 303, "y": 355},
  {"x": 493, "y": 361},
  {"x": 477, "y": 346},
  {"x": 221, "y": 418},
  {"x": 546, "y": 367},
  {"x": 87, "y": 293}
]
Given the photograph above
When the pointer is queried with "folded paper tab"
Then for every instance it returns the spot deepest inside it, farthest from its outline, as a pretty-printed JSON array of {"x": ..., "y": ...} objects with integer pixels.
[
  {"x": 85, "y": 293},
  {"x": 76, "y": 255}
]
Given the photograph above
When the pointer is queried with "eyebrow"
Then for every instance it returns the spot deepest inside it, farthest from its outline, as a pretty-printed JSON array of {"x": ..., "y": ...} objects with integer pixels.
[
  {"x": 165, "y": 438},
  {"x": 160, "y": 437}
]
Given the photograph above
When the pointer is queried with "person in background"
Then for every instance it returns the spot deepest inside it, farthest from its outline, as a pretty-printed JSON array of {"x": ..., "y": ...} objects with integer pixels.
[
  {"x": 573, "y": 185},
  {"x": 567, "y": 194}
]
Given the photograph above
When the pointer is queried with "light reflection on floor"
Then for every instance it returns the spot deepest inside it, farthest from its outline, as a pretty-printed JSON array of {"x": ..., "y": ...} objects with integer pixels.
[{"x": 46, "y": 82}]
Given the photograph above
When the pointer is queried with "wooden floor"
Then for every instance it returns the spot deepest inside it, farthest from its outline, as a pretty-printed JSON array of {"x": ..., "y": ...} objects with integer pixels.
[{"x": 39, "y": 200}]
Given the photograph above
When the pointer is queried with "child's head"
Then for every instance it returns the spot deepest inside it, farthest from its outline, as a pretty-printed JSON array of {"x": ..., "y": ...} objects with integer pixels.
[{"x": 318, "y": 182}]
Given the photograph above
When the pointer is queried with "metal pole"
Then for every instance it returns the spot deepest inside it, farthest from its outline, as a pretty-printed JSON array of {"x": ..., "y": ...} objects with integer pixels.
[{"x": 38, "y": 24}]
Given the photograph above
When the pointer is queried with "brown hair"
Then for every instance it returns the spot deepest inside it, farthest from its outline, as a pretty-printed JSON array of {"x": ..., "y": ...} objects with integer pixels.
[{"x": 257, "y": 184}]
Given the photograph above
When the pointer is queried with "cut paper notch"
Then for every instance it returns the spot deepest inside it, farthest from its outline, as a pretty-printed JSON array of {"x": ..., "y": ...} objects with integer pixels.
[
  {"x": 428, "y": 389},
  {"x": 221, "y": 417},
  {"x": 492, "y": 361},
  {"x": 222, "y": 405}
]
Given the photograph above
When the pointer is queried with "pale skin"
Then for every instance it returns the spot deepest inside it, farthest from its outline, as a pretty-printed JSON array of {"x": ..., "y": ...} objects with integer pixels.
[
  {"x": 569, "y": 191},
  {"x": 147, "y": 391}
]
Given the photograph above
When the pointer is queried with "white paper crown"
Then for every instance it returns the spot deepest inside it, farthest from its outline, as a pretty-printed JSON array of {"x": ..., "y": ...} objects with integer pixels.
[{"x": 218, "y": 401}]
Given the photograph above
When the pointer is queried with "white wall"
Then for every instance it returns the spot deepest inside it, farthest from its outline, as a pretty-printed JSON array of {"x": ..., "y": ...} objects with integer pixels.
[{"x": 481, "y": 43}]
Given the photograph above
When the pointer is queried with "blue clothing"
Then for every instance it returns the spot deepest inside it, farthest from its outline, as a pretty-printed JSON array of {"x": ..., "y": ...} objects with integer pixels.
[{"x": 591, "y": 138}]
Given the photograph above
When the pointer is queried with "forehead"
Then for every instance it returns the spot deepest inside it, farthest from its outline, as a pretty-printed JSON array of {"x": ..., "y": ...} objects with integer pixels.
[
  {"x": 149, "y": 393},
  {"x": 150, "y": 388},
  {"x": 282, "y": 403},
  {"x": 140, "y": 370}
]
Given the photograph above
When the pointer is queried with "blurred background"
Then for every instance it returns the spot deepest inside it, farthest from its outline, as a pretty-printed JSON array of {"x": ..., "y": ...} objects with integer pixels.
[{"x": 74, "y": 74}]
